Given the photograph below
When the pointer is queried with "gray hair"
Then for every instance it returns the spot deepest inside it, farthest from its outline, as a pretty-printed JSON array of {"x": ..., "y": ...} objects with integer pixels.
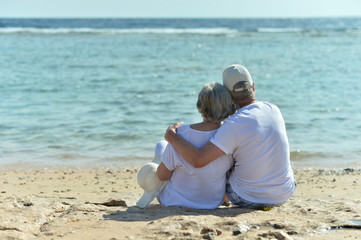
[
  {"x": 214, "y": 102},
  {"x": 242, "y": 91}
]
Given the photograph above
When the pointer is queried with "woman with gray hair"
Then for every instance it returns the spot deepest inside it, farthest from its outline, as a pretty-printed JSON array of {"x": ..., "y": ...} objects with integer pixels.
[{"x": 189, "y": 186}]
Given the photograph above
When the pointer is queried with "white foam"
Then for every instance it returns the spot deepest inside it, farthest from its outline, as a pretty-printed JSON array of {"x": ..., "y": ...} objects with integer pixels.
[
  {"x": 211, "y": 31},
  {"x": 279, "y": 30}
]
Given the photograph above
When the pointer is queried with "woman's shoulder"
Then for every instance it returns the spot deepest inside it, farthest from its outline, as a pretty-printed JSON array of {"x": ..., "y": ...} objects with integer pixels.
[{"x": 183, "y": 128}]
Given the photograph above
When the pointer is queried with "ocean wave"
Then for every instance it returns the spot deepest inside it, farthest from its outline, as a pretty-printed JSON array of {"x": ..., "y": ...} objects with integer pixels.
[
  {"x": 308, "y": 30},
  {"x": 206, "y": 31},
  {"x": 299, "y": 155},
  {"x": 280, "y": 30},
  {"x": 170, "y": 31},
  {"x": 302, "y": 155}
]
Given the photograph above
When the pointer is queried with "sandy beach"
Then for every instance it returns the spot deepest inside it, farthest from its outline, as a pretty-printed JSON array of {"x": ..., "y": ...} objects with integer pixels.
[{"x": 100, "y": 204}]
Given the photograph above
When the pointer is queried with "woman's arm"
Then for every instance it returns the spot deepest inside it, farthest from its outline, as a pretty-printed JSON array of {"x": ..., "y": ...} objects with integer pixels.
[{"x": 163, "y": 173}]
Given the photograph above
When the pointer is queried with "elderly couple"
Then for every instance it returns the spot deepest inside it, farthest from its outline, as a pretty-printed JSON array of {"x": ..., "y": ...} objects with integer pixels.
[{"x": 246, "y": 158}]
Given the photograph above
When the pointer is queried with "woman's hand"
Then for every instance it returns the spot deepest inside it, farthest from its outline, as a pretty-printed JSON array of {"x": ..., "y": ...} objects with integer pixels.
[
  {"x": 171, "y": 132},
  {"x": 163, "y": 173}
]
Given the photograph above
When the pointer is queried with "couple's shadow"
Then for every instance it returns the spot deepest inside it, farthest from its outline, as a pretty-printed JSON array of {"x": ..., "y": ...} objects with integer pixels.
[{"x": 155, "y": 212}]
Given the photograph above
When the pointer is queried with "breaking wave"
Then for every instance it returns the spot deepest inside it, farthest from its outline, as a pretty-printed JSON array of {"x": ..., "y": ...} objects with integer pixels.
[
  {"x": 211, "y": 31},
  {"x": 204, "y": 31}
]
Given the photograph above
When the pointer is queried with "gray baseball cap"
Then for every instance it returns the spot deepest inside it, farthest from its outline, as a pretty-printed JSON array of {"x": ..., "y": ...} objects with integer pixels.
[{"x": 237, "y": 78}]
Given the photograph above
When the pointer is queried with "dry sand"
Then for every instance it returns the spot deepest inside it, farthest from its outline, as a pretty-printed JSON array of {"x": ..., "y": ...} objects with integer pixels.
[{"x": 66, "y": 204}]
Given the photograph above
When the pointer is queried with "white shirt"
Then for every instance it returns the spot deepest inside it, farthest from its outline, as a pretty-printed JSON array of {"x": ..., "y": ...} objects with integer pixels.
[
  {"x": 256, "y": 136},
  {"x": 199, "y": 188}
]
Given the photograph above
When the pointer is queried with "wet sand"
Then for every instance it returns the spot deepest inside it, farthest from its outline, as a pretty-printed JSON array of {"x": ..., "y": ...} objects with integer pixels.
[{"x": 100, "y": 204}]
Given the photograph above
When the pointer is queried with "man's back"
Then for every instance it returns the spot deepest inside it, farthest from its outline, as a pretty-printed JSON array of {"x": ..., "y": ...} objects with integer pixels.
[{"x": 256, "y": 136}]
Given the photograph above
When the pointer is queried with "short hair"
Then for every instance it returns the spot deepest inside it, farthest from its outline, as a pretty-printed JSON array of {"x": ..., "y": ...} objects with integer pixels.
[
  {"x": 214, "y": 102},
  {"x": 246, "y": 93}
]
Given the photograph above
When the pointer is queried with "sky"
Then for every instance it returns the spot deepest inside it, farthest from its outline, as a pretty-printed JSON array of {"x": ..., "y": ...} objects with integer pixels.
[{"x": 179, "y": 8}]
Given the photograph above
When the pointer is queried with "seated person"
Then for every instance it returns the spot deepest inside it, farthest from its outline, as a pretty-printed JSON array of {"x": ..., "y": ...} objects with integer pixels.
[
  {"x": 198, "y": 188},
  {"x": 256, "y": 137}
]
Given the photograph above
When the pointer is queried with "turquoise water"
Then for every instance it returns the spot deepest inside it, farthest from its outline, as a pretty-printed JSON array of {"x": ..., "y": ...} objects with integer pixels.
[{"x": 106, "y": 95}]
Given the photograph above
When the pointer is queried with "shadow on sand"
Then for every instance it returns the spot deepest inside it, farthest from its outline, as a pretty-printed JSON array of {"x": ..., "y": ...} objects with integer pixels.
[{"x": 154, "y": 212}]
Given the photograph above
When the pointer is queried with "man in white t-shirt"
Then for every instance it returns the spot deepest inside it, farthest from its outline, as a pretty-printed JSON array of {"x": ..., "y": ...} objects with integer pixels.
[{"x": 256, "y": 137}]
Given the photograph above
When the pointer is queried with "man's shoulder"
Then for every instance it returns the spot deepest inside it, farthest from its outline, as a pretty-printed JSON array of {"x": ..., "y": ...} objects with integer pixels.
[
  {"x": 260, "y": 107},
  {"x": 252, "y": 112},
  {"x": 271, "y": 105}
]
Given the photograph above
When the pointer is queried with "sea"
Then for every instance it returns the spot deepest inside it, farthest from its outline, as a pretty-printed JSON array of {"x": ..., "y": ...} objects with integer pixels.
[{"x": 102, "y": 92}]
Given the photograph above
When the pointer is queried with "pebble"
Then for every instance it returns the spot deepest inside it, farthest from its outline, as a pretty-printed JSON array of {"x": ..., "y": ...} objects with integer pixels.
[
  {"x": 237, "y": 232},
  {"x": 210, "y": 235}
]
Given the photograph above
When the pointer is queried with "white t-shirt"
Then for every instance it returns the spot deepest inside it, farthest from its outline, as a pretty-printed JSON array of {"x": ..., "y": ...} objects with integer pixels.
[
  {"x": 256, "y": 136},
  {"x": 199, "y": 188}
]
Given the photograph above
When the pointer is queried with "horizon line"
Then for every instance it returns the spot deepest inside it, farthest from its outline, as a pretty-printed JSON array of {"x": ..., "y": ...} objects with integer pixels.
[{"x": 109, "y": 17}]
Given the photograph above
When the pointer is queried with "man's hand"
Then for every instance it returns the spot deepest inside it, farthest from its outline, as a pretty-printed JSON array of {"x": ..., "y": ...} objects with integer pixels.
[
  {"x": 197, "y": 157},
  {"x": 171, "y": 132}
]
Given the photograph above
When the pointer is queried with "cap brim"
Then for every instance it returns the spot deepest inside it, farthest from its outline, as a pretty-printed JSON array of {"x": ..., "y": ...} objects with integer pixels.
[{"x": 146, "y": 199}]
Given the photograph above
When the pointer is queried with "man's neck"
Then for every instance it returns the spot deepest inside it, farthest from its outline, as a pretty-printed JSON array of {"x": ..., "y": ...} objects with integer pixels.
[{"x": 246, "y": 102}]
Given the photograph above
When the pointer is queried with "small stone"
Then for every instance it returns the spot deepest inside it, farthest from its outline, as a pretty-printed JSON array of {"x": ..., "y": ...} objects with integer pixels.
[
  {"x": 282, "y": 235},
  {"x": 209, "y": 230},
  {"x": 278, "y": 235},
  {"x": 114, "y": 203},
  {"x": 277, "y": 226},
  {"x": 237, "y": 232},
  {"x": 209, "y": 236},
  {"x": 292, "y": 232},
  {"x": 206, "y": 230},
  {"x": 27, "y": 204}
]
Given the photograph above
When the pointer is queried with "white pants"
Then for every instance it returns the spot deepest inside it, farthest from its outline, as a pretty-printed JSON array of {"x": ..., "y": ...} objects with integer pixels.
[{"x": 159, "y": 150}]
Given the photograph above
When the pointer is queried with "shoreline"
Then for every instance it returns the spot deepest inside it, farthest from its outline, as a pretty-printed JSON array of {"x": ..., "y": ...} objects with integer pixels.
[
  {"x": 67, "y": 204},
  {"x": 334, "y": 163}
]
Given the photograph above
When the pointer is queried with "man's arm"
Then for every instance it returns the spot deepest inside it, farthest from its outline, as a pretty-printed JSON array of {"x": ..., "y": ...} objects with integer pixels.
[{"x": 197, "y": 157}]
